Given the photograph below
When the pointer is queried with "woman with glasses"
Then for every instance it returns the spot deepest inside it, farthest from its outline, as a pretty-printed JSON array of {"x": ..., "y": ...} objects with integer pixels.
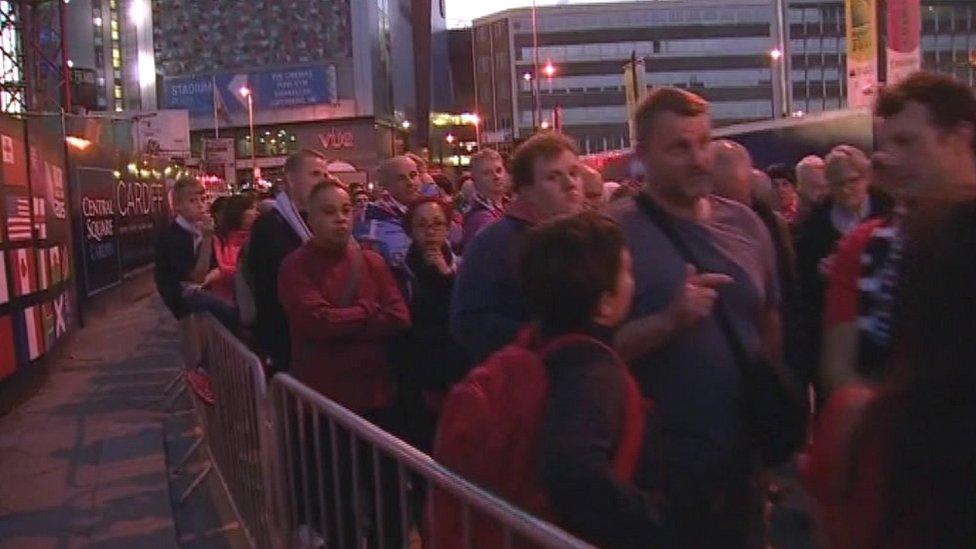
[{"x": 431, "y": 360}]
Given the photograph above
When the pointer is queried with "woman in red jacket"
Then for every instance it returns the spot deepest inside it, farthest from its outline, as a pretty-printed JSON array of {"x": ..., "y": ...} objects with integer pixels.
[
  {"x": 894, "y": 464},
  {"x": 238, "y": 216},
  {"x": 343, "y": 309}
]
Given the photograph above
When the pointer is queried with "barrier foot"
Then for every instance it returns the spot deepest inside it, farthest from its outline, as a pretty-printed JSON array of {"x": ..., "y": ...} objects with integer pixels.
[
  {"x": 196, "y": 482},
  {"x": 186, "y": 457}
]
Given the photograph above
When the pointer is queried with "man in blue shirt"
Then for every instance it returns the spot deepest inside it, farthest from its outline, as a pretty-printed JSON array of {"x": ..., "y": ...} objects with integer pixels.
[{"x": 674, "y": 341}]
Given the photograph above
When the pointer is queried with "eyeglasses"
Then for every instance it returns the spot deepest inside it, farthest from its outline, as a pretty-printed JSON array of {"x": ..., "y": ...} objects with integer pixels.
[{"x": 437, "y": 225}]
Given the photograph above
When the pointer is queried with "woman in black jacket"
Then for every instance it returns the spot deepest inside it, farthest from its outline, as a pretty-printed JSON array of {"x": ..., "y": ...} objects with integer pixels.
[{"x": 431, "y": 361}]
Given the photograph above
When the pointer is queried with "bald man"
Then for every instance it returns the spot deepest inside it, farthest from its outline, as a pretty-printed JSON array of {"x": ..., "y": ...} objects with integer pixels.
[
  {"x": 592, "y": 187},
  {"x": 732, "y": 171},
  {"x": 381, "y": 227},
  {"x": 734, "y": 178}
]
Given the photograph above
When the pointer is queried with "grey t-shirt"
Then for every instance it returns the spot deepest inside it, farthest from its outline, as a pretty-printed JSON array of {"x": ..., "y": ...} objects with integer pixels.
[{"x": 693, "y": 380}]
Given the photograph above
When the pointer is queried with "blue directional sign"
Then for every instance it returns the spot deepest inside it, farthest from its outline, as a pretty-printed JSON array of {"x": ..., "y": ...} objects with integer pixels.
[{"x": 272, "y": 89}]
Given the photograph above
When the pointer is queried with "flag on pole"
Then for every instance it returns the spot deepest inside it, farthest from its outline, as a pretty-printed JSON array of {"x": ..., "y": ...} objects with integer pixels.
[
  {"x": 18, "y": 218},
  {"x": 43, "y": 270},
  {"x": 40, "y": 218},
  {"x": 34, "y": 332},
  {"x": 220, "y": 108},
  {"x": 8, "y": 356},
  {"x": 4, "y": 292},
  {"x": 24, "y": 271}
]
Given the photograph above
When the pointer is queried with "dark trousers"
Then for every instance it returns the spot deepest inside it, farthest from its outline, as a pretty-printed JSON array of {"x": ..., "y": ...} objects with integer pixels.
[
  {"x": 202, "y": 301},
  {"x": 729, "y": 516}
]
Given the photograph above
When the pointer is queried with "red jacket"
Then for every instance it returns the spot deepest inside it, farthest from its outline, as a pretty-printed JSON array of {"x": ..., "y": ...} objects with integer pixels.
[
  {"x": 226, "y": 252},
  {"x": 342, "y": 351}
]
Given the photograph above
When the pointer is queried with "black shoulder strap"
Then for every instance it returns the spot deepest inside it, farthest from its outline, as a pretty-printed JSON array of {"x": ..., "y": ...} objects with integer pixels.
[{"x": 663, "y": 221}]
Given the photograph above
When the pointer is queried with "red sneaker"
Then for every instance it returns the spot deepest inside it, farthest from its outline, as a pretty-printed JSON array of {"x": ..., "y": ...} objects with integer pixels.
[{"x": 199, "y": 382}]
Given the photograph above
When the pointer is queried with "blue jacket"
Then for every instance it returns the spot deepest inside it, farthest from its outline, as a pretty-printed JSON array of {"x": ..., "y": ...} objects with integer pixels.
[
  {"x": 487, "y": 308},
  {"x": 381, "y": 229}
]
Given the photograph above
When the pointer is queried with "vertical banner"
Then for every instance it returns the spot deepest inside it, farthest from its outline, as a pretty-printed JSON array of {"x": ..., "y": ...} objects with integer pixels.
[
  {"x": 219, "y": 158},
  {"x": 635, "y": 88},
  {"x": 862, "y": 52},
  {"x": 904, "y": 50}
]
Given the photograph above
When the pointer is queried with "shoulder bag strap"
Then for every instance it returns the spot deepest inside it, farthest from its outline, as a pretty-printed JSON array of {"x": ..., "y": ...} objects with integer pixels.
[{"x": 663, "y": 222}]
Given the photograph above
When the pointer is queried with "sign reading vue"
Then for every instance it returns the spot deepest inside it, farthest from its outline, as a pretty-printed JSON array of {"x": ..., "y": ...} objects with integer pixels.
[{"x": 271, "y": 89}]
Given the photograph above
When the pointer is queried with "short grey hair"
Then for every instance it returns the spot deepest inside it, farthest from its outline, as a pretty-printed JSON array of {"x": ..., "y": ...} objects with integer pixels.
[
  {"x": 842, "y": 156},
  {"x": 383, "y": 174},
  {"x": 485, "y": 155}
]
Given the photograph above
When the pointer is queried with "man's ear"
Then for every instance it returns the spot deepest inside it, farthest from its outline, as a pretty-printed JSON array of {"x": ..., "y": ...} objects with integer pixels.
[{"x": 603, "y": 310}]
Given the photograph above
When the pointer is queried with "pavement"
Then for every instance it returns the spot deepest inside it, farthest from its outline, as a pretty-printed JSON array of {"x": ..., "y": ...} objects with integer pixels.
[{"x": 84, "y": 460}]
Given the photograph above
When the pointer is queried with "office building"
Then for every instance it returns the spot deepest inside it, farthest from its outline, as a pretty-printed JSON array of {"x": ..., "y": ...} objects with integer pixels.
[
  {"x": 354, "y": 78},
  {"x": 110, "y": 52},
  {"x": 718, "y": 49},
  {"x": 818, "y": 48},
  {"x": 724, "y": 51}
]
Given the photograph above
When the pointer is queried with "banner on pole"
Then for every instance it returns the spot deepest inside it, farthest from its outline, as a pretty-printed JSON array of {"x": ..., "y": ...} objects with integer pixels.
[
  {"x": 862, "y": 52},
  {"x": 904, "y": 50}
]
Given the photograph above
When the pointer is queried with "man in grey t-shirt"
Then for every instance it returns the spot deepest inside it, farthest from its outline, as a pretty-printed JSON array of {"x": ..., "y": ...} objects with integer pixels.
[{"x": 679, "y": 354}]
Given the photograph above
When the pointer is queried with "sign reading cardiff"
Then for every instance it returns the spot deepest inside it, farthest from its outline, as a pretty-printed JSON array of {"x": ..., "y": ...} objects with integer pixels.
[{"x": 271, "y": 89}]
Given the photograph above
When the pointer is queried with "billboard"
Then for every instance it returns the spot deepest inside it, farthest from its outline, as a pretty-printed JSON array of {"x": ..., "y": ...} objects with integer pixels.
[
  {"x": 36, "y": 295},
  {"x": 163, "y": 133},
  {"x": 271, "y": 89},
  {"x": 862, "y": 52}
]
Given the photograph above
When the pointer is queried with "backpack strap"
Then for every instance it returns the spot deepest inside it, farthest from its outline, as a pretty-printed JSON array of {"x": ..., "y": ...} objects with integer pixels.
[{"x": 631, "y": 440}]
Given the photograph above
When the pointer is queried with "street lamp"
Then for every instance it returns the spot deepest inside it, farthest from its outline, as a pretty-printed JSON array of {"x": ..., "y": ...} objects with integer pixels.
[
  {"x": 405, "y": 124},
  {"x": 549, "y": 71},
  {"x": 246, "y": 93},
  {"x": 528, "y": 79}
]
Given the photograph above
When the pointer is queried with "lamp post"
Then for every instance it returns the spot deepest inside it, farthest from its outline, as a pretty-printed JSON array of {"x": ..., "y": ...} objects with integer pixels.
[
  {"x": 777, "y": 81},
  {"x": 528, "y": 79},
  {"x": 246, "y": 93},
  {"x": 550, "y": 71}
]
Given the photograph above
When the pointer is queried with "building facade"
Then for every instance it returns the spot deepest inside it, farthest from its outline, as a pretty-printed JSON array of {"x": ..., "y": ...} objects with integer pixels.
[
  {"x": 720, "y": 50},
  {"x": 341, "y": 66},
  {"x": 110, "y": 51},
  {"x": 818, "y": 48}
]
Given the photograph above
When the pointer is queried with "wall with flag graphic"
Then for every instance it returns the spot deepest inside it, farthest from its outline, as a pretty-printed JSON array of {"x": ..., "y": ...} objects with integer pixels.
[{"x": 36, "y": 284}]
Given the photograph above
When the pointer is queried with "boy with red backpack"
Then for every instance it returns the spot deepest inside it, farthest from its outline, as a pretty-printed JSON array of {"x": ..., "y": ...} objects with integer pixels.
[{"x": 554, "y": 422}]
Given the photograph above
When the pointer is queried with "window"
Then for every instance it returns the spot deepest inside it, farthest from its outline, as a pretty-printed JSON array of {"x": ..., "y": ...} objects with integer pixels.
[{"x": 118, "y": 92}]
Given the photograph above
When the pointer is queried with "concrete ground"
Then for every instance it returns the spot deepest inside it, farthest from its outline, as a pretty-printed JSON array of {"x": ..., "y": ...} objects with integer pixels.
[{"x": 84, "y": 460}]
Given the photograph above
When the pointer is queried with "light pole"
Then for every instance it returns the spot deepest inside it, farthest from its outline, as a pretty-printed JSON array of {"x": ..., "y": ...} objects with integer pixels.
[
  {"x": 550, "y": 71},
  {"x": 246, "y": 93},
  {"x": 778, "y": 81},
  {"x": 528, "y": 79}
]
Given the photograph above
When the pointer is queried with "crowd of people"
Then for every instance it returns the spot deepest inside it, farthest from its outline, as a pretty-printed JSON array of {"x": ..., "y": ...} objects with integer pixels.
[{"x": 626, "y": 362}]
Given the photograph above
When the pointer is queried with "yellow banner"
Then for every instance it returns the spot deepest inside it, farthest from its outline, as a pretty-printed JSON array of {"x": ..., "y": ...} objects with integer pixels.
[{"x": 862, "y": 51}]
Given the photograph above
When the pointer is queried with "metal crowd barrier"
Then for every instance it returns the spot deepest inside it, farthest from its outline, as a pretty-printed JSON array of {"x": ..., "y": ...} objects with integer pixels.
[
  {"x": 302, "y": 471},
  {"x": 237, "y": 429},
  {"x": 347, "y": 468}
]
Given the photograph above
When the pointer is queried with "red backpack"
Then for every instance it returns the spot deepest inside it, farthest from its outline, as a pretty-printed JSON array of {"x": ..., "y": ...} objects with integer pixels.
[{"x": 489, "y": 434}]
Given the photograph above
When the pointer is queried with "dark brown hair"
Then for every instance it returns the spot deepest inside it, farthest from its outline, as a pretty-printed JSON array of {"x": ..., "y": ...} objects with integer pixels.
[
  {"x": 546, "y": 145},
  {"x": 294, "y": 161},
  {"x": 661, "y": 100},
  {"x": 949, "y": 101},
  {"x": 186, "y": 185},
  {"x": 567, "y": 264},
  {"x": 326, "y": 184},
  {"x": 416, "y": 204},
  {"x": 234, "y": 209}
]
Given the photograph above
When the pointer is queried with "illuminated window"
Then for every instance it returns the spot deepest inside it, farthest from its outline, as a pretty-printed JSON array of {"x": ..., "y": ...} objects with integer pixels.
[
  {"x": 118, "y": 92},
  {"x": 114, "y": 25},
  {"x": 115, "y": 33},
  {"x": 97, "y": 21}
]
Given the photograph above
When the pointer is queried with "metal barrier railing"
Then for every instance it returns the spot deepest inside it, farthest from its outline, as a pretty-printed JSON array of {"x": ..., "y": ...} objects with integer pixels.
[
  {"x": 303, "y": 471},
  {"x": 349, "y": 478},
  {"x": 237, "y": 429}
]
